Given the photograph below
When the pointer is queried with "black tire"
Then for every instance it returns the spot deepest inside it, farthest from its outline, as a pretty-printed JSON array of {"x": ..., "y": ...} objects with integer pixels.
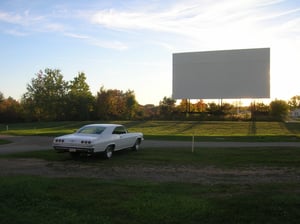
[
  {"x": 108, "y": 153},
  {"x": 136, "y": 145}
]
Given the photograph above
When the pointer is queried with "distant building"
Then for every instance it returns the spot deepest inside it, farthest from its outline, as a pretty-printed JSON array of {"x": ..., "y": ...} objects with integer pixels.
[{"x": 295, "y": 113}]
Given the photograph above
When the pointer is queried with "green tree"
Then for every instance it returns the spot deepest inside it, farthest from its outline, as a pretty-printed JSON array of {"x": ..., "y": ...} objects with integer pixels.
[
  {"x": 214, "y": 109},
  {"x": 1, "y": 97},
  {"x": 80, "y": 99},
  {"x": 102, "y": 104},
  {"x": 279, "y": 109},
  {"x": 294, "y": 102},
  {"x": 131, "y": 105},
  {"x": 167, "y": 108},
  {"x": 227, "y": 108},
  {"x": 259, "y": 111},
  {"x": 45, "y": 98},
  {"x": 219, "y": 110}
]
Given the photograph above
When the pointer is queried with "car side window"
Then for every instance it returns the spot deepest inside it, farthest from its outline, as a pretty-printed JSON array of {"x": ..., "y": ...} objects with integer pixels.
[{"x": 119, "y": 130}]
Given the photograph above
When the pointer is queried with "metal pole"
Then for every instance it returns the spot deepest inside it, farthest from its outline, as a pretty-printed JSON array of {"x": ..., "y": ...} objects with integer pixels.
[{"x": 193, "y": 143}]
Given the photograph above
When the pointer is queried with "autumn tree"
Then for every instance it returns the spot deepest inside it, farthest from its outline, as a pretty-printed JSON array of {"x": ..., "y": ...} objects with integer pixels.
[
  {"x": 200, "y": 106},
  {"x": 10, "y": 110},
  {"x": 184, "y": 106},
  {"x": 115, "y": 104}
]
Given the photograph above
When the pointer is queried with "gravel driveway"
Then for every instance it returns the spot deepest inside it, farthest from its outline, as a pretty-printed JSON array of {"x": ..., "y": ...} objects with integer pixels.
[{"x": 33, "y": 143}]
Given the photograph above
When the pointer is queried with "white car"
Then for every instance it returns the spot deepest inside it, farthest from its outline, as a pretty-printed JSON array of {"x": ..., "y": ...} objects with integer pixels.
[{"x": 94, "y": 138}]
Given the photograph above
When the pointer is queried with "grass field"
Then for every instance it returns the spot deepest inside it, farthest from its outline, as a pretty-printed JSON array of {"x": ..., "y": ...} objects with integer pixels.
[
  {"x": 44, "y": 200},
  {"x": 270, "y": 199},
  {"x": 175, "y": 130}
]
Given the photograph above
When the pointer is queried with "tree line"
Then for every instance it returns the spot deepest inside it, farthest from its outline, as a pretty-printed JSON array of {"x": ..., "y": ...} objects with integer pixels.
[{"x": 51, "y": 98}]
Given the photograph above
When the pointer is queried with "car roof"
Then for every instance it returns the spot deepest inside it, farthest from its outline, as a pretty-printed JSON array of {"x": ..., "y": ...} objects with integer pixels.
[{"x": 105, "y": 125}]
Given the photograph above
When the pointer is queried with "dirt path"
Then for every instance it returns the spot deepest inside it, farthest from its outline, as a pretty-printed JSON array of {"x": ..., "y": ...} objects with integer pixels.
[
  {"x": 25, "y": 143},
  {"x": 157, "y": 173}
]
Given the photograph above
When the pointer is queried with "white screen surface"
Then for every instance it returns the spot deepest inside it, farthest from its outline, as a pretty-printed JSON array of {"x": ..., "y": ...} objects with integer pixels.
[{"x": 229, "y": 74}]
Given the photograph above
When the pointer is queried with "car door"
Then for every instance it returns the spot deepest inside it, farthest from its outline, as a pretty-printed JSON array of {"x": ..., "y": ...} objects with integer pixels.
[{"x": 122, "y": 141}]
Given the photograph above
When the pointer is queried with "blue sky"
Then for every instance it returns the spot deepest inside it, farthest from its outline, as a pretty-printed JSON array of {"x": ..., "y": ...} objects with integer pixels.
[{"x": 129, "y": 44}]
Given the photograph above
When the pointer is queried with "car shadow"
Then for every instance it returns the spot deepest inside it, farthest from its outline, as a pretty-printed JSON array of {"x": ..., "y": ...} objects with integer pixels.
[{"x": 96, "y": 157}]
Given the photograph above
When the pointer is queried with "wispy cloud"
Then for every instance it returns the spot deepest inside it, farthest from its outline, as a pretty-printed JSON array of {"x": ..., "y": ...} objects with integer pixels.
[
  {"x": 276, "y": 15},
  {"x": 156, "y": 21},
  {"x": 116, "y": 45},
  {"x": 9, "y": 18},
  {"x": 27, "y": 24},
  {"x": 24, "y": 19},
  {"x": 76, "y": 36},
  {"x": 199, "y": 20},
  {"x": 16, "y": 33}
]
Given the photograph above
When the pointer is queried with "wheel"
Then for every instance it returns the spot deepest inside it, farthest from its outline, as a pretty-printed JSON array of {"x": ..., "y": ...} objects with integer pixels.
[
  {"x": 108, "y": 152},
  {"x": 136, "y": 145}
]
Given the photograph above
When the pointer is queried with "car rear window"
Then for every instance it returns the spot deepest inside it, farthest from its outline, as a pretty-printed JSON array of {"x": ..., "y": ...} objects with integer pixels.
[{"x": 91, "y": 130}]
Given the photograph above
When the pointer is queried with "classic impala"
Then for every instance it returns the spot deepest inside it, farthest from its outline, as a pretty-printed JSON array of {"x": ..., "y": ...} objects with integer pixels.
[{"x": 94, "y": 138}]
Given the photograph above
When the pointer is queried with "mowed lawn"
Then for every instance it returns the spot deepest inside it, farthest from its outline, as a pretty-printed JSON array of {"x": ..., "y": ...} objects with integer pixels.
[
  {"x": 41, "y": 199},
  {"x": 175, "y": 130}
]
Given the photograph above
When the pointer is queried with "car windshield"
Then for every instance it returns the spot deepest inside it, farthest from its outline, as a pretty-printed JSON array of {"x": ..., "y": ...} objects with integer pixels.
[{"x": 91, "y": 130}]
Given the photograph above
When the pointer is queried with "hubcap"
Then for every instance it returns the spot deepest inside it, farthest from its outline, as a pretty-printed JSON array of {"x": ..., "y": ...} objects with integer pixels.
[{"x": 109, "y": 153}]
